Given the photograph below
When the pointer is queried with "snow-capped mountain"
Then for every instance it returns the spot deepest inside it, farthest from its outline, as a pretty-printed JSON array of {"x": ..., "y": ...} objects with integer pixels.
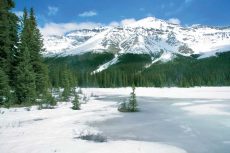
[{"x": 147, "y": 36}]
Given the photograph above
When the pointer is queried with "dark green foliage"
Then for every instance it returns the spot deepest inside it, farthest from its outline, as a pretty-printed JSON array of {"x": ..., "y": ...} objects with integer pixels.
[
  {"x": 25, "y": 80},
  {"x": 67, "y": 82},
  {"x": 189, "y": 71},
  {"x": 51, "y": 100},
  {"x": 23, "y": 74},
  {"x": 132, "y": 106},
  {"x": 76, "y": 103},
  {"x": 8, "y": 34},
  {"x": 48, "y": 102},
  {"x": 36, "y": 48},
  {"x": 78, "y": 68},
  {"x": 4, "y": 88},
  {"x": 42, "y": 79},
  {"x": 181, "y": 71},
  {"x": 8, "y": 43},
  {"x": 31, "y": 38},
  {"x": 81, "y": 67},
  {"x": 66, "y": 94},
  {"x": 31, "y": 72}
]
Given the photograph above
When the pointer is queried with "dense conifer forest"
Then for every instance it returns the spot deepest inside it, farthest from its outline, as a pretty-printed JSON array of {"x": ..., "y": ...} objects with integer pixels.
[{"x": 181, "y": 71}]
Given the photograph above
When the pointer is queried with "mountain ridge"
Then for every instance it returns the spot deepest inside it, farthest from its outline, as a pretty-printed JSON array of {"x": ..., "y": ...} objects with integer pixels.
[{"x": 146, "y": 36}]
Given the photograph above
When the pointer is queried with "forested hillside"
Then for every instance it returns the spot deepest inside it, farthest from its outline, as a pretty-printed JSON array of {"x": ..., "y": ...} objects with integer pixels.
[{"x": 181, "y": 71}]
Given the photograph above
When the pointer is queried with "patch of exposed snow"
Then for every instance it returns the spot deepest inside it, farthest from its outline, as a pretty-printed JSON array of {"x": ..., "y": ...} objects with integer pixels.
[{"x": 106, "y": 65}]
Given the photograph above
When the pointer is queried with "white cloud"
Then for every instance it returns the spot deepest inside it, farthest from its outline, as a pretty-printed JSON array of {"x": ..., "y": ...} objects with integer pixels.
[
  {"x": 127, "y": 21},
  {"x": 88, "y": 14},
  {"x": 62, "y": 28},
  {"x": 174, "y": 21},
  {"x": 52, "y": 10},
  {"x": 19, "y": 13}
]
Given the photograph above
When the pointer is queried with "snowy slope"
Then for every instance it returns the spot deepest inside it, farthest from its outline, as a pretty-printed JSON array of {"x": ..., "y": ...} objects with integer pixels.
[
  {"x": 147, "y": 36},
  {"x": 55, "y": 44}
]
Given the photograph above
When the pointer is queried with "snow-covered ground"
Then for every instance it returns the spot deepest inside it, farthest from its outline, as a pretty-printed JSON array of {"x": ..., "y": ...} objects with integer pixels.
[{"x": 171, "y": 120}]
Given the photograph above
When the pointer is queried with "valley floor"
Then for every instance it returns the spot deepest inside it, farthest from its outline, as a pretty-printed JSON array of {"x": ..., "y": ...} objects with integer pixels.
[{"x": 171, "y": 120}]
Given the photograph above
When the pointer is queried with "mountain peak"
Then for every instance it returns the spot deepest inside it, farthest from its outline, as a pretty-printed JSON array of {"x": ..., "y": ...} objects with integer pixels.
[{"x": 152, "y": 23}]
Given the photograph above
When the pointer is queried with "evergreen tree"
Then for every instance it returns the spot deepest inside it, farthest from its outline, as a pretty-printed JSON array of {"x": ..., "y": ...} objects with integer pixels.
[
  {"x": 66, "y": 84},
  {"x": 31, "y": 42},
  {"x": 132, "y": 100},
  {"x": 76, "y": 102},
  {"x": 25, "y": 79},
  {"x": 36, "y": 48},
  {"x": 47, "y": 102},
  {"x": 8, "y": 38}
]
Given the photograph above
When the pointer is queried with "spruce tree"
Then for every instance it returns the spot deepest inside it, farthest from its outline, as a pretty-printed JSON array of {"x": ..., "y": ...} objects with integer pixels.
[
  {"x": 31, "y": 41},
  {"x": 36, "y": 48},
  {"x": 8, "y": 34},
  {"x": 76, "y": 102},
  {"x": 24, "y": 73},
  {"x": 132, "y": 100},
  {"x": 25, "y": 79},
  {"x": 8, "y": 39},
  {"x": 65, "y": 81}
]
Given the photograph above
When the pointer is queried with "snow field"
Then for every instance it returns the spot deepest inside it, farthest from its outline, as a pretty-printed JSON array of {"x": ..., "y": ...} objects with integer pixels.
[{"x": 57, "y": 130}]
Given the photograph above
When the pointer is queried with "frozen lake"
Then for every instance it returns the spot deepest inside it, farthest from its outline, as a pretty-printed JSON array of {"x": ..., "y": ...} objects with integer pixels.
[
  {"x": 195, "y": 125},
  {"x": 171, "y": 120}
]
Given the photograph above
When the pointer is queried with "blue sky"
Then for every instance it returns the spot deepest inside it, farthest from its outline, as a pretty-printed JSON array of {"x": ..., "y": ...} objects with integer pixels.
[{"x": 187, "y": 12}]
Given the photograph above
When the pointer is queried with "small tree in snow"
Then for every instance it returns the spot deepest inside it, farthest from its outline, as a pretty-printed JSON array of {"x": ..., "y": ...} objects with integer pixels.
[
  {"x": 76, "y": 103},
  {"x": 132, "y": 106}
]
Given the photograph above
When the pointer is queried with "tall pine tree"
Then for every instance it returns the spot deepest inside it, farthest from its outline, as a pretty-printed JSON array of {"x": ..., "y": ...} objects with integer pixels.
[
  {"x": 36, "y": 47},
  {"x": 8, "y": 43},
  {"x": 25, "y": 79},
  {"x": 25, "y": 86}
]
